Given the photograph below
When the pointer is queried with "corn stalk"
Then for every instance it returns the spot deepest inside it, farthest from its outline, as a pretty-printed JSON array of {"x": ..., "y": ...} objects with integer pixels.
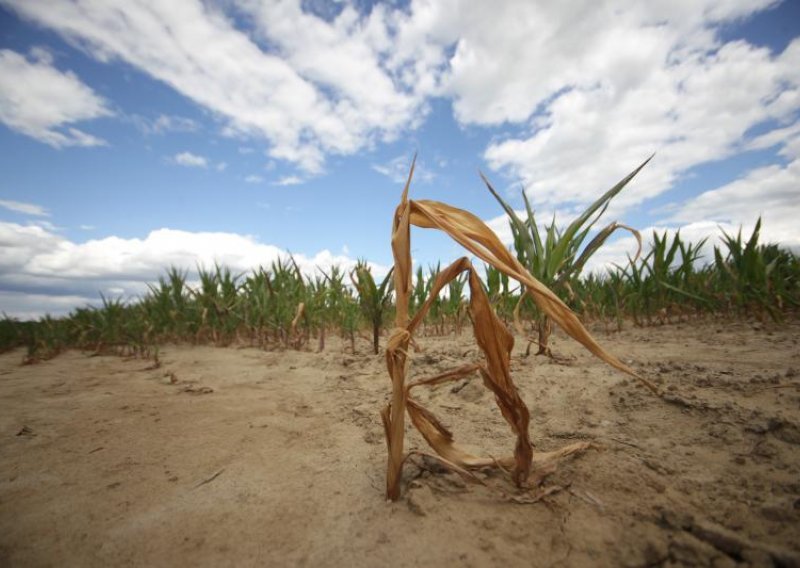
[
  {"x": 493, "y": 338},
  {"x": 374, "y": 299}
]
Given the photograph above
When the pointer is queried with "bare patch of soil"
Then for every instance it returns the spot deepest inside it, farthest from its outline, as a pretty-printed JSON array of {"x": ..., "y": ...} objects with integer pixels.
[{"x": 245, "y": 458}]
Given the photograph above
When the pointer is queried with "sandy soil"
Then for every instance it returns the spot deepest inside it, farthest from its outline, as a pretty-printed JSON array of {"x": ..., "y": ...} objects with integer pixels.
[{"x": 239, "y": 457}]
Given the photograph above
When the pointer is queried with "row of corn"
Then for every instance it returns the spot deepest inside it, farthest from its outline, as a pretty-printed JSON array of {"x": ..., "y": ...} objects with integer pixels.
[{"x": 280, "y": 306}]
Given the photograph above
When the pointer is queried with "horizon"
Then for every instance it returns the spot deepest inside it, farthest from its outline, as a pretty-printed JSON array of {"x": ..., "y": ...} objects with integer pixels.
[{"x": 136, "y": 137}]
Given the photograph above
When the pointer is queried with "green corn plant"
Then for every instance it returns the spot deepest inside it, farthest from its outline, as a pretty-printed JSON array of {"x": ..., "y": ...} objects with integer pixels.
[
  {"x": 280, "y": 307},
  {"x": 15, "y": 333},
  {"x": 616, "y": 297},
  {"x": 555, "y": 257},
  {"x": 111, "y": 319},
  {"x": 784, "y": 277},
  {"x": 639, "y": 293},
  {"x": 682, "y": 281},
  {"x": 170, "y": 308},
  {"x": 374, "y": 299},
  {"x": 586, "y": 298},
  {"x": 50, "y": 336},
  {"x": 219, "y": 303},
  {"x": 287, "y": 291},
  {"x": 350, "y": 318},
  {"x": 318, "y": 316},
  {"x": 419, "y": 291},
  {"x": 341, "y": 306},
  {"x": 658, "y": 266},
  {"x": 454, "y": 306},
  {"x": 500, "y": 295},
  {"x": 255, "y": 306},
  {"x": 747, "y": 271},
  {"x": 435, "y": 316}
]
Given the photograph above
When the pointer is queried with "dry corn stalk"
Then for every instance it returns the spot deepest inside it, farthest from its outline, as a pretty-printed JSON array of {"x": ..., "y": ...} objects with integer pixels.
[{"x": 492, "y": 336}]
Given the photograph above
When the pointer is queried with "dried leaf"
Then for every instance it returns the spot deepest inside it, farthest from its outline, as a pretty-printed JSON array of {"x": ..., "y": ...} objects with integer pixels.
[{"x": 493, "y": 337}]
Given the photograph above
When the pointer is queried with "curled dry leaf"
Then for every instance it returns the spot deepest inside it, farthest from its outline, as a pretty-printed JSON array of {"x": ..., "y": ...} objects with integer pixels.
[{"x": 493, "y": 338}]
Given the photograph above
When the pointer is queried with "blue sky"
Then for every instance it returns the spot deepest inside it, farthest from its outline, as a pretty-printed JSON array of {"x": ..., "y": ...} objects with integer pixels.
[{"x": 135, "y": 135}]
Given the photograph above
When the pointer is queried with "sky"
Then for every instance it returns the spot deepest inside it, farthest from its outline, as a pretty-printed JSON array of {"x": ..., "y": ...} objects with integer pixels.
[{"x": 137, "y": 135}]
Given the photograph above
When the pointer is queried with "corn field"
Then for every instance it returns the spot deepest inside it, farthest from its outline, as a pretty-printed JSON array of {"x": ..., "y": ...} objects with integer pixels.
[{"x": 281, "y": 308}]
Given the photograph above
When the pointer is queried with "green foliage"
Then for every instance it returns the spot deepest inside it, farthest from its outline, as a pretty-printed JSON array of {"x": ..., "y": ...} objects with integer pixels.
[
  {"x": 555, "y": 257},
  {"x": 279, "y": 307},
  {"x": 374, "y": 299}
]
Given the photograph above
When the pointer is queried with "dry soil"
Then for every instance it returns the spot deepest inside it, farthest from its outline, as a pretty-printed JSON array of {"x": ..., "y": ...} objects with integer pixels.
[{"x": 243, "y": 457}]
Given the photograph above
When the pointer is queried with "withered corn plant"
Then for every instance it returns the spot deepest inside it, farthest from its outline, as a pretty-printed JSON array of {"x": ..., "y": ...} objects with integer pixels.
[{"x": 493, "y": 337}]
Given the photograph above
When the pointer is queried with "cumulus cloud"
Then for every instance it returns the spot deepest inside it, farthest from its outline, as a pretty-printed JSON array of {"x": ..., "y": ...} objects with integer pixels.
[
  {"x": 253, "y": 179},
  {"x": 190, "y": 160},
  {"x": 307, "y": 85},
  {"x": 397, "y": 169},
  {"x": 24, "y": 306},
  {"x": 24, "y": 208},
  {"x": 289, "y": 180},
  {"x": 165, "y": 123},
  {"x": 595, "y": 86},
  {"x": 513, "y": 57},
  {"x": 576, "y": 93},
  {"x": 38, "y": 100},
  {"x": 678, "y": 92},
  {"x": 35, "y": 262},
  {"x": 770, "y": 192}
]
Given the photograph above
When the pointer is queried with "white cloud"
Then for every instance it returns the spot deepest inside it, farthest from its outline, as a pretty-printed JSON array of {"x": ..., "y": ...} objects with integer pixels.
[
  {"x": 190, "y": 160},
  {"x": 41, "y": 54},
  {"x": 591, "y": 88},
  {"x": 165, "y": 123},
  {"x": 771, "y": 192},
  {"x": 253, "y": 179},
  {"x": 289, "y": 180},
  {"x": 397, "y": 169},
  {"x": 677, "y": 93},
  {"x": 24, "y": 208},
  {"x": 25, "y": 306},
  {"x": 316, "y": 87},
  {"x": 38, "y": 100},
  {"x": 221, "y": 166},
  {"x": 512, "y": 57},
  {"x": 46, "y": 225},
  {"x": 34, "y": 261},
  {"x": 598, "y": 86}
]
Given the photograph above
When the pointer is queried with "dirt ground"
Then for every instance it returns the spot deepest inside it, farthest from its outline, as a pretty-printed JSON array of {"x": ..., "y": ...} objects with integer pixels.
[{"x": 240, "y": 457}]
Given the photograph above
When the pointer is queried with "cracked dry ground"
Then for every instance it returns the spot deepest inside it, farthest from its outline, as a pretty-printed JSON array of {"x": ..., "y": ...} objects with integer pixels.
[{"x": 241, "y": 457}]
